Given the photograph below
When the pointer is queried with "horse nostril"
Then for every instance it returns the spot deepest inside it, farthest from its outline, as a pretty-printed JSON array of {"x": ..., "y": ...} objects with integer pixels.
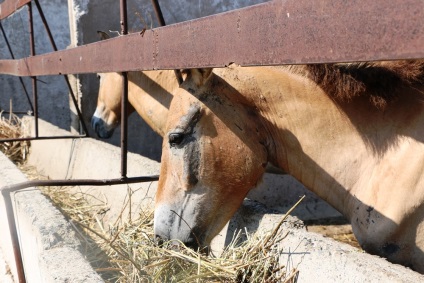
[
  {"x": 100, "y": 128},
  {"x": 95, "y": 124},
  {"x": 192, "y": 244}
]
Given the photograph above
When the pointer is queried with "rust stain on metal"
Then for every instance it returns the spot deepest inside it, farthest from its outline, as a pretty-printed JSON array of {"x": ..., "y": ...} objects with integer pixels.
[
  {"x": 273, "y": 33},
  {"x": 8, "y": 7}
]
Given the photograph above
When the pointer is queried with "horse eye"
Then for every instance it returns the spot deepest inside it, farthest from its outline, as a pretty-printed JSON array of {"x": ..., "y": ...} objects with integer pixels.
[{"x": 175, "y": 139}]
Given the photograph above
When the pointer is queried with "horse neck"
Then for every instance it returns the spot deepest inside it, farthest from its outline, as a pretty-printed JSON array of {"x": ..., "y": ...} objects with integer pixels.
[
  {"x": 150, "y": 93},
  {"x": 341, "y": 151}
]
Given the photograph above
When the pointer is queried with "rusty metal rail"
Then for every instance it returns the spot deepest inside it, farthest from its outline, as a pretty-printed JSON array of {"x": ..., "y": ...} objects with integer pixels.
[
  {"x": 8, "y": 7},
  {"x": 272, "y": 33}
]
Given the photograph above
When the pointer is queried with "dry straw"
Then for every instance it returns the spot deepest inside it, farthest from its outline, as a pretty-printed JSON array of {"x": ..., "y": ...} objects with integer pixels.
[
  {"x": 133, "y": 255},
  {"x": 11, "y": 128}
]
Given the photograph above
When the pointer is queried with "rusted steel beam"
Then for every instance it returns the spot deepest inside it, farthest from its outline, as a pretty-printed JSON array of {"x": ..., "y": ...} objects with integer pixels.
[
  {"x": 8, "y": 7},
  {"x": 161, "y": 20},
  {"x": 33, "y": 78},
  {"x": 124, "y": 97},
  {"x": 277, "y": 32}
]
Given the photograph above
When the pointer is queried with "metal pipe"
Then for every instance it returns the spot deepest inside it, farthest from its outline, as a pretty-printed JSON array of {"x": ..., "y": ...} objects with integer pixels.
[
  {"x": 124, "y": 125},
  {"x": 161, "y": 20},
  {"x": 13, "y": 57},
  {"x": 14, "y": 237},
  {"x": 78, "y": 182},
  {"x": 124, "y": 98},
  {"x": 16, "y": 112},
  {"x": 53, "y": 43},
  {"x": 123, "y": 17},
  {"x": 158, "y": 12},
  {"x": 41, "y": 138},
  {"x": 33, "y": 78}
]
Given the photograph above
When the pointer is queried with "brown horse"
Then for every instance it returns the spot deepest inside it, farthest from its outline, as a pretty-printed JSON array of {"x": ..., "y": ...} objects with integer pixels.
[{"x": 351, "y": 133}]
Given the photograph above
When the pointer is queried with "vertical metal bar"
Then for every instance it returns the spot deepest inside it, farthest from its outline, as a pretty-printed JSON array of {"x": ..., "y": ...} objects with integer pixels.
[
  {"x": 124, "y": 99},
  {"x": 14, "y": 236},
  {"x": 13, "y": 57},
  {"x": 43, "y": 19},
  {"x": 161, "y": 20},
  {"x": 158, "y": 12},
  {"x": 53, "y": 43},
  {"x": 33, "y": 79}
]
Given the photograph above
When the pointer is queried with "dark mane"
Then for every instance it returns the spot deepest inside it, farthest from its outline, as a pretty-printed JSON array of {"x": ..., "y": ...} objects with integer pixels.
[{"x": 380, "y": 81}]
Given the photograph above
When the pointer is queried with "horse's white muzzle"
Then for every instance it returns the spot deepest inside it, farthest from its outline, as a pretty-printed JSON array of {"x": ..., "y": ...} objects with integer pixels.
[{"x": 173, "y": 223}]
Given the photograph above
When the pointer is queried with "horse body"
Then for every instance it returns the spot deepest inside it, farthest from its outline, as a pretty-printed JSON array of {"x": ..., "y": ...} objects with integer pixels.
[{"x": 363, "y": 158}]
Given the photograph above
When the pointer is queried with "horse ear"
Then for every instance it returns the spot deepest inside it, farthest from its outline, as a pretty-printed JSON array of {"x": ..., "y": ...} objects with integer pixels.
[
  {"x": 199, "y": 76},
  {"x": 103, "y": 35}
]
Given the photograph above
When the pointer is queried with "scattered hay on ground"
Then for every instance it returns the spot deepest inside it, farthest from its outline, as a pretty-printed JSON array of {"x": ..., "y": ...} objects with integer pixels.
[
  {"x": 135, "y": 257},
  {"x": 11, "y": 128}
]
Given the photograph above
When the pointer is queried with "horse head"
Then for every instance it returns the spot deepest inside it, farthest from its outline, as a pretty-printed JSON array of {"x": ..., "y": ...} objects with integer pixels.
[
  {"x": 108, "y": 111},
  {"x": 213, "y": 153}
]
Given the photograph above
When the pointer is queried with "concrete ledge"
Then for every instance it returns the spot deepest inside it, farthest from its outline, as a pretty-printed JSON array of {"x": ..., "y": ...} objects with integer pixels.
[
  {"x": 44, "y": 235},
  {"x": 318, "y": 259}
]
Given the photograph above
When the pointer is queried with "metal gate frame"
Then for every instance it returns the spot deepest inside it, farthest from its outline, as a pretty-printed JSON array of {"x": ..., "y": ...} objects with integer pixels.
[{"x": 273, "y": 33}]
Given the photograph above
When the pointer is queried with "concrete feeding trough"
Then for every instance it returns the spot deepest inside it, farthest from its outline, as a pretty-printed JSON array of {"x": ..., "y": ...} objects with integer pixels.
[{"x": 52, "y": 251}]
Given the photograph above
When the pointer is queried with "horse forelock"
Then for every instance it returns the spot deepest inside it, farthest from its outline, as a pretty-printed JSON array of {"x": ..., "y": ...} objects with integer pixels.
[{"x": 382, "y": 82}]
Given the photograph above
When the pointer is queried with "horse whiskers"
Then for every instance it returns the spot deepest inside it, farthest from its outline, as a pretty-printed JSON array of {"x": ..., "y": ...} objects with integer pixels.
[{"x": 192, "y": 232}]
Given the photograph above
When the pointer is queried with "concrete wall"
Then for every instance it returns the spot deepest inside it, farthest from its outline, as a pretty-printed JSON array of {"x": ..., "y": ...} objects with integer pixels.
[{"x": 52, "y": 90}]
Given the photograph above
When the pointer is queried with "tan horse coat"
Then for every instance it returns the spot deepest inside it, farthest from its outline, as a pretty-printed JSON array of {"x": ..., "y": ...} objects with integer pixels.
[
  {"x": 353, "y": 134},
  {"x": 149, "y": 93}
]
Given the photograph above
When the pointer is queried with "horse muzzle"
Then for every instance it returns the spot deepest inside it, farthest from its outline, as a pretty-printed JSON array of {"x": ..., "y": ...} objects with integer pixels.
[
  {"x": 101, "y": 128},
  {"x": 171, "y": 228}
]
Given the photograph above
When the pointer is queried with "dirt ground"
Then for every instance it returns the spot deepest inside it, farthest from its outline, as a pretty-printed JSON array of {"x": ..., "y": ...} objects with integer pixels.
[{"x": 341, "y": 232}]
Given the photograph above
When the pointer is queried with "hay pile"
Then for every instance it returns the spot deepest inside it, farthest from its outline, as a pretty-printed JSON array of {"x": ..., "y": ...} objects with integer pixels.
[
  {"x": 11, "y": 128},
  {"x": 134, "y": 256}
]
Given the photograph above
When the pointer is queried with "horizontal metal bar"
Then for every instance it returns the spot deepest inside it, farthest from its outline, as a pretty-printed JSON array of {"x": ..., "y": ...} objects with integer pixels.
[
  {"x": 78, "y": 182},
  {"x": 43, "y": 138},
  {"x": 272, "y": 33},
  {"x": 8, "y": 7}
]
